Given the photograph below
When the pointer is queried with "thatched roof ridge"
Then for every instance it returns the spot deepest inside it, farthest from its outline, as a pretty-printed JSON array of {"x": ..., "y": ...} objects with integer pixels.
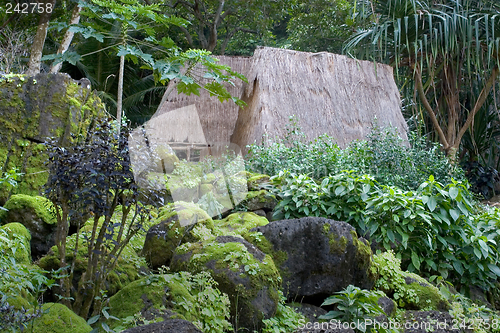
[{"x": 328, "y": 93}]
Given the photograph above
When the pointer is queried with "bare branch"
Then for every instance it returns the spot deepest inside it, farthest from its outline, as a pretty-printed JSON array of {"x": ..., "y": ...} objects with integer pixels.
[
  {"x": 432, "y": 114},
  {"x": 188, "y": 35}
]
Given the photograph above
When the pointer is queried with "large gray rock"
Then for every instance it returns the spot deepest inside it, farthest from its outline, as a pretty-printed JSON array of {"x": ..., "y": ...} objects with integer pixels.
[
  {"x": 316, "y": 256},
  {"x": 168, "y": 326},
  {"x": 247, "y": 275}
]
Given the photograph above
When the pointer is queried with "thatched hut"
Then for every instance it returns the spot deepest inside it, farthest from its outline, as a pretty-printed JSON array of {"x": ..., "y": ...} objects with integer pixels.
[{"x": 328, "y": 93}]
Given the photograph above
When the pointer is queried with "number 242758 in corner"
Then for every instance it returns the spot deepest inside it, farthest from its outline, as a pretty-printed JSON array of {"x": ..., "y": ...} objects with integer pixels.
[{"x": 28, "y": 8}]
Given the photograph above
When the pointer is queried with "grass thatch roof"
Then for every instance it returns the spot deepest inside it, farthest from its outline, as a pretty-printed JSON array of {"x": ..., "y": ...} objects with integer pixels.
[
  {"x": 328, "y": 93},
  {"x": 217, "y": 119}
]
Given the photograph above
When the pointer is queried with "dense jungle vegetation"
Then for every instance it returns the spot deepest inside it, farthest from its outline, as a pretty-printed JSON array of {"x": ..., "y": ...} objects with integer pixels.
[{"x": 428, "y": 208}]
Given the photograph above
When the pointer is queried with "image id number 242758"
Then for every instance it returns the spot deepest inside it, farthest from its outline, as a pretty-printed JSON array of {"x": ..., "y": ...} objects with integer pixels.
[{"x": 28, "y": 8}]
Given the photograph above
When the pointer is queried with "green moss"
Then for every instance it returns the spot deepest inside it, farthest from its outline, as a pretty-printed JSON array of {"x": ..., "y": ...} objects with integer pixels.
[
  {"x": 179, "y": 295},
  {"x": 18, "y": 231},
  {"x": 364, "y": 253},
  {"x": 337, "y": 245},
  {"x": 258, "y": 239},
  {"x": 57, "y": 318},
  {"x": 209, "y": 178},
  {"x": 254, "y": 180},
  {"x": 261, "y": 195},
  {"x": 206, "y": 188},
  {"x": 253, "y": 276},
  {"x": 180, "y": 222},
  {"x": 238, "y": 224},
  {"x": 67, "y": 108},
  {"x": 19, "y": 303},
  {"x": 41, "y": 206}
]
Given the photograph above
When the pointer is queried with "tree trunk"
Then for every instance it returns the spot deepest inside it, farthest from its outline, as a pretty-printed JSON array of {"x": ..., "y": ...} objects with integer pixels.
[
  {"x": 41, "y": 33},
  {"x": 68, "y": 37},
  {"x": 120, "y": 94}
]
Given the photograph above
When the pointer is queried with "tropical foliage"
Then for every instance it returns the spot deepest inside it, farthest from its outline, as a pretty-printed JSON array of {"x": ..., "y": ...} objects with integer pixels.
[{"x": 449, "y": 51}]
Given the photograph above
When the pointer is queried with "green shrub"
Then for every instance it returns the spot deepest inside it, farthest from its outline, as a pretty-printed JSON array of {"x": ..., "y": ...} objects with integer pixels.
[
  {"x": 384, "y": 155},
  {"x": 355, "y": 305},
  {"x": 434, "y": 228}
]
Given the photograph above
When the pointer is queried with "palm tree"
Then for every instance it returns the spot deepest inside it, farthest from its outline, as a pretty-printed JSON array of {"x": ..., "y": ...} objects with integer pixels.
[{"x": 445, "y": 48}]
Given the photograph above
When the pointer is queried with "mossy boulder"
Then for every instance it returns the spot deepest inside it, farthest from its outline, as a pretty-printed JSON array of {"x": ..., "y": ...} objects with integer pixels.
[
  {"x": 18, "y": 231},
  {"x": 57, "y": 318},
  {"x": 316, "y": 256},
  {"x": 255, "y": 181},
  {"x": 239, "y": 224},
  {"x": 182, "y": 295},
  {"x": 257, "y": 200},
  {"x": 178, "y": 223},
  {"x": 409, "y": 290},
  {"x": 247, "y": 275},
  {"x": 37, "y": 215},
  {"x": 33, "y": 109}
]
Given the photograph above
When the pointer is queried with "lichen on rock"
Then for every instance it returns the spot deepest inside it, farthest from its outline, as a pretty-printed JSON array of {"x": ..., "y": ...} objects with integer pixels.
[{"x": 33, "y": 109}]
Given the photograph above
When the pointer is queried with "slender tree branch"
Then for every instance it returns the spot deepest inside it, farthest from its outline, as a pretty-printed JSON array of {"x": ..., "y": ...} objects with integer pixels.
[
  {"x": 188, "y": 36},
  {"x": 432, "y": 114},
  {"x": 8, "y": 21},
  {"x": 68, "y": 37}
]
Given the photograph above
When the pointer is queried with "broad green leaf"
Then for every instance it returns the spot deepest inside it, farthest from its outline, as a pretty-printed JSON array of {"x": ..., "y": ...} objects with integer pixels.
[
  {"x": 458, "y": 267},
  {"x": 339, "y": 189},
  {"x": 431, "y": 203},
  {"x": 415, "y": 260},
  {"x": 453, "y": 192},
  {"x": 495, "y": 269},
  {"x": 455, "y": 214}
]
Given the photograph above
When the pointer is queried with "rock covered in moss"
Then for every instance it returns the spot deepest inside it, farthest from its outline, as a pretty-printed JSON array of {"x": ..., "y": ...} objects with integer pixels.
[
  {"x": 410, "y": 291},
  {"x": 257, "y": 200},
  {"x": 170, "y": 325},
  {"x": 247, "y": 275},
  {"x": 256, "y": 181},
  {"x": 178, "y": 223},
  {"x": 35, "y": 108},
  {"x": 36, "y": 214},
  {"x": 17, "y": 231},
  {"x": 165, "y": 296},
  {"x": 239, "y": 224},
  {"x": 315, "y": 256},
  {"x": 57, "y": 318}
]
